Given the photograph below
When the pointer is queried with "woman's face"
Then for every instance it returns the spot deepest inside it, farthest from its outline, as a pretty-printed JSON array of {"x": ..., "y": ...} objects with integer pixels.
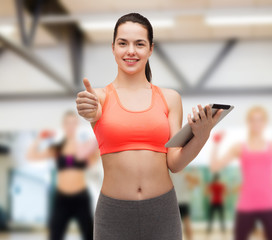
[
  {"x": 257, "y": 122},
  {"x": 131, "y": 48},
  {"x": 70, "y": 124}
]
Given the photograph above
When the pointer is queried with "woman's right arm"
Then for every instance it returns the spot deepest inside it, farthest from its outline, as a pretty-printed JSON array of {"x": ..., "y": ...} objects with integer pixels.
[
  {"x": 34, "y": 153},
  {"x": 89, "y": 102},
  {"x": 219, "y": 163}
]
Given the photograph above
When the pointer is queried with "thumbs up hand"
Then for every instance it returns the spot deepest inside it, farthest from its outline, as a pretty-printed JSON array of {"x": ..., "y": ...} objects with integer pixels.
[
  {"x": 87, "y": 102},
  {"x": 88, "y": 86}
]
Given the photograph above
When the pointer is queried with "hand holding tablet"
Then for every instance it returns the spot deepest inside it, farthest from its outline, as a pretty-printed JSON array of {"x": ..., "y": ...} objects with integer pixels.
[{"x": 185, "y": 134}]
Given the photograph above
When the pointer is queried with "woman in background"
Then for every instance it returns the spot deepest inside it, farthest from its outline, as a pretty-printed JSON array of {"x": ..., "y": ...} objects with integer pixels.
[
  {"x": 255, "y": 155},
  {"x": 71, "y": 198}
]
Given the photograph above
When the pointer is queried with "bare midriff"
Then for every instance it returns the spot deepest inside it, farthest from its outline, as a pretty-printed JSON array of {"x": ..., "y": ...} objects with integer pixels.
[
  {"x": 71, "y": 181},
  {"x": 135, "y": 175}
]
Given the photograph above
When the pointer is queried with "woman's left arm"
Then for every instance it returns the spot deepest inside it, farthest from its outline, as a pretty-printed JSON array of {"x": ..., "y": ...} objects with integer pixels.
[{"x": 179, "y": 158}]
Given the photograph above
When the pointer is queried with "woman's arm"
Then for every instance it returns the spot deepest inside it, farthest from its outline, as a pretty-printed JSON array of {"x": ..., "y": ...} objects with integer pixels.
[
  {"x": 179, "y": 158},
  {"x": 34, "y": 153},
  {"x": 218, "y": 164}
]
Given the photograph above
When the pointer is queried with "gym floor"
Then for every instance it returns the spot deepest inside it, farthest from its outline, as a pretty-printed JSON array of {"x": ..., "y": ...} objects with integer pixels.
[{"x": 73, "y": 235}]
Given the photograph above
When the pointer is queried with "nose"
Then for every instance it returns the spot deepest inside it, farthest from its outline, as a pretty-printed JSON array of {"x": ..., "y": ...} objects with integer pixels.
[{"x": 131, "y": 50}]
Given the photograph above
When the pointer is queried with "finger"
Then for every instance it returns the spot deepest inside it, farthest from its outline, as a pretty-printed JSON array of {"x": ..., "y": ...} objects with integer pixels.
[
  {"x": 88, "y": 86},
  {"x": 86, "y": 111},
  {"x": 217, "y": 115},
  {"x": 201, "y": 112},
  {"x": 209, "y": 112},
  {"x": 196, "y": 116},
  {"x": 83, "y": 106},
  {"x": 87, "y": 95},
  {"x": 190, "y": 120},
  {"x": 87, "y": 101}
]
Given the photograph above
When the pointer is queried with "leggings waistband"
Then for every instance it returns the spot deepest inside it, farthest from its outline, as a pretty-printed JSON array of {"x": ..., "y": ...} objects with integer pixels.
[
  {"x": 133, "y": 203},
  {"x": 81, "y": 193}
]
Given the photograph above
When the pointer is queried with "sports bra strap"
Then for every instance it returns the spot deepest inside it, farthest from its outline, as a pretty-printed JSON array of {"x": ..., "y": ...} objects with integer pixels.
[
  {"x": 162, "y": 96},
  {"x": 108, "y": 90}
]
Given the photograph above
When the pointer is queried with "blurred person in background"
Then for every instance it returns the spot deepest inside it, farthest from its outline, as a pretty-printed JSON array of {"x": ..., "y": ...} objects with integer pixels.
[
  {"x": 255, "y": 156},
  {"x": 132, "y": 121},
  {"x": 184, "y": 183},
  {"x": 216, "y": 191},
  {"x": 71, "y": 198}
]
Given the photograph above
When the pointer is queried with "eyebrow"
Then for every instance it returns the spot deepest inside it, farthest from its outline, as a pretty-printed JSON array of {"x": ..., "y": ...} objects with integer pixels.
[{"x": 125, "y": 40}]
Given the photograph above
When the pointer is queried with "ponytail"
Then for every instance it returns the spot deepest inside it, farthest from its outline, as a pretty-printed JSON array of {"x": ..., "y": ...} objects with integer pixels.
[{"x": 148, "y": 73}]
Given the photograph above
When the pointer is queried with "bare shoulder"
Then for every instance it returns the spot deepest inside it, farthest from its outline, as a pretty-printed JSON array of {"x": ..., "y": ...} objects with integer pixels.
[
  {"x": 168, "y": 92},
  {"x": 101, "y": 94},
  {"x": 100, "y": 91},
  {"x": 172, "y": 97}
]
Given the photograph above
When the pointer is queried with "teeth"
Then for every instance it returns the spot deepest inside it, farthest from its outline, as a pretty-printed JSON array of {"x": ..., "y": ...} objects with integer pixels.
[{"x": 129, "y": 60}]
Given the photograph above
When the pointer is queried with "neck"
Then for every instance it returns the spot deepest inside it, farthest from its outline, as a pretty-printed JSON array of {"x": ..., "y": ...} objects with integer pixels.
[
  {"x": 136, "y": 80},
  {"x": 255, "y": 137},
  {"x": 70, "y": 138}
]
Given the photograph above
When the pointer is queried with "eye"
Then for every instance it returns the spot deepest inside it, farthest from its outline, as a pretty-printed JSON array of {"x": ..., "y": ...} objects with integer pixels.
[
  {"x": 122, "y": 43},
  {"x": 140, "y": 44}
]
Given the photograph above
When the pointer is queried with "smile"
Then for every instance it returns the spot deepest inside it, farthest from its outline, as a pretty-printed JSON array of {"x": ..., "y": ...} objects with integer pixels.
[{"x": 131, "y": 60}]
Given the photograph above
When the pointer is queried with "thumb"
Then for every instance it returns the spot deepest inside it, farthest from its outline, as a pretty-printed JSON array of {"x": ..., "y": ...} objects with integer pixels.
[{"x": 88, "y": 86}]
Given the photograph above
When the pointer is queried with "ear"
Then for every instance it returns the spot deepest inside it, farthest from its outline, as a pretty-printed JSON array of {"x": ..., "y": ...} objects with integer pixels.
[
  {"x": 112, "y": 48},
  {"x": 151, "y": 49}
]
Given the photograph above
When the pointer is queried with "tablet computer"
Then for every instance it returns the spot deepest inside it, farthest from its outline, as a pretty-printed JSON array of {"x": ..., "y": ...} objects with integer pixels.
[{"x": 185, "y": 134}]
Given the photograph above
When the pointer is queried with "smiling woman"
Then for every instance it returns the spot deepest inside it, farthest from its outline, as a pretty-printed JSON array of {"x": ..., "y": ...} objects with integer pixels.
[
  {"x": 140, "y": 25},
  {"x": 132, "y": 120}
]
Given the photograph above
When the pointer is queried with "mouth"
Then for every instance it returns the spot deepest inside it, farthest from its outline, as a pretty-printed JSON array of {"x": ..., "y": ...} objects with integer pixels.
[{"x": 131, "y": 60}]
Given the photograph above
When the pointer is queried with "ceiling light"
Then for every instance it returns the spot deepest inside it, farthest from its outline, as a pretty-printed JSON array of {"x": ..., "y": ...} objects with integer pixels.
[
  {"x": 97, "y": 25},
  {"x": 238, "y": 20},
  {"x": 162, "y": 23},
  {"x": 7, "y": 30},
  {"x": 109, "y": 25}
]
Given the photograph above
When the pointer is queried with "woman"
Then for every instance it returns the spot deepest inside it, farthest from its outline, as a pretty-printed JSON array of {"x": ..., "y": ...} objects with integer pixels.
[
  {"x": 255, "y": 155},
  {"x": 132, "y": 120},
  {"x": 71, "y": 199}
]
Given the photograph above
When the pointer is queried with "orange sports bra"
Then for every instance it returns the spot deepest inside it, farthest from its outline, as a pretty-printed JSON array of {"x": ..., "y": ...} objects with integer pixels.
[{"x": 120, "y": 129}]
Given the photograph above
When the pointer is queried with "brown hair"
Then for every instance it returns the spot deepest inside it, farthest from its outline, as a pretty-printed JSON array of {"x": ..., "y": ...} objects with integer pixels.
[{"x": 137, "y": 18}]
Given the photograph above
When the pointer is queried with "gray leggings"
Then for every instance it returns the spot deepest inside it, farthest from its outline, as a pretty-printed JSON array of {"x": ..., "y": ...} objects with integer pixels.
[{"x": 150, "y": 219}]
